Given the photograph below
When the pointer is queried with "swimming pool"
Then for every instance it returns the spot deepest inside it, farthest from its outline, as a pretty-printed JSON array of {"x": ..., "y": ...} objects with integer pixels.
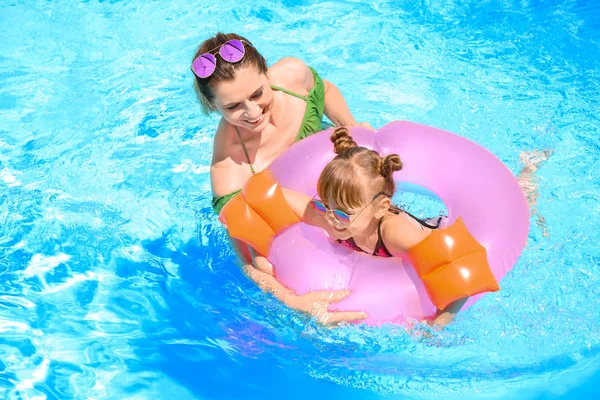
[{"x": 115, "y": 281}]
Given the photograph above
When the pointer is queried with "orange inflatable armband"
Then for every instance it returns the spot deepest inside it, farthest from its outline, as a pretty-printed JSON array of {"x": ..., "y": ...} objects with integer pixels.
[
  {"x": 258, "y": 213},
  {"x": 452, "y": 264}
]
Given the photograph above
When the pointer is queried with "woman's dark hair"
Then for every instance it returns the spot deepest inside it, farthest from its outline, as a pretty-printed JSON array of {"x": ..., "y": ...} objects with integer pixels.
[{"x": 224, "y": 71}]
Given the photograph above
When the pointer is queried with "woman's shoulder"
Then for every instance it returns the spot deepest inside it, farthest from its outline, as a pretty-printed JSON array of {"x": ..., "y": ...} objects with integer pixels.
[
  {"x": 227, "y": 177},
  {"x": 290, "y": 64},
  {"x": 291, "y": 71},
  {"x": 225, "y": 173},
  {"x": 220, "y": 142}
]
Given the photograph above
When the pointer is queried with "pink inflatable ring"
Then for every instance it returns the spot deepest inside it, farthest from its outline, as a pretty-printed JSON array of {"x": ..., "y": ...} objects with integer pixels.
[{"x": 471, "y": 182}]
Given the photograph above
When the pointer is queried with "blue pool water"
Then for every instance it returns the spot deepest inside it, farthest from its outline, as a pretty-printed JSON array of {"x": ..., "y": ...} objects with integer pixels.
[{"x": 115, "y": 280}]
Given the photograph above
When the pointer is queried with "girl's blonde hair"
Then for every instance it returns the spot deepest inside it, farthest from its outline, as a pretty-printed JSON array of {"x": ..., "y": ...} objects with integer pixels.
[
  {"x": 224, "y": 71},
  {"x": 356, "y": 174}
]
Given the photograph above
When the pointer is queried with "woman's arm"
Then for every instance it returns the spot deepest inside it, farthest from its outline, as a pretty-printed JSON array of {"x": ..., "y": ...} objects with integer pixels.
[
  {"x": 229, "y": 169},
  {"x": 336, "y": 108},
  {"x": 295, "y": 73},
  {"x": 314, "y": 303}
]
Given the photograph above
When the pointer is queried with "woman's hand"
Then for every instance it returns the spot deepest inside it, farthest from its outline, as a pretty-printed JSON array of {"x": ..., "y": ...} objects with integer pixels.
[
  {"x": 317, "y": 304},
  {"x": 365, "y": 125},
  {"x": 353, "y": 124},
  {"x": 262, "y": 264},
  {"x": 314, "y": 303}
]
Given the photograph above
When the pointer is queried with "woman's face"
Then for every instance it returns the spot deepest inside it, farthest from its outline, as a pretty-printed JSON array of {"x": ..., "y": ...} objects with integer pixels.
[{"x": 246, "y": 100}]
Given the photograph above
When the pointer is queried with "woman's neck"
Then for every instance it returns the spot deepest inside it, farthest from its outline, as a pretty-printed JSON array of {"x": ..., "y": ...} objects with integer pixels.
[{"x": 246, "y": 136}]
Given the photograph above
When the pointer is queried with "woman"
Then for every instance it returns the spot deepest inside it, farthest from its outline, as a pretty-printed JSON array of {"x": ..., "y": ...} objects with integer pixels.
[{"x": 264, "y": 111}]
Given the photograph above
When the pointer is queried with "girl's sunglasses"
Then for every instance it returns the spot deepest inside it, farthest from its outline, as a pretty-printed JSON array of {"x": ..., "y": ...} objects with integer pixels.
[
  {"x": 341, "y": 216},
  {"x": 231, "y": 51}
]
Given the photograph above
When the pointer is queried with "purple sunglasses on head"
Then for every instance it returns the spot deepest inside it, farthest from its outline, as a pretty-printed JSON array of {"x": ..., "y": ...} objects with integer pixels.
[{"x": 231, "y": 51}]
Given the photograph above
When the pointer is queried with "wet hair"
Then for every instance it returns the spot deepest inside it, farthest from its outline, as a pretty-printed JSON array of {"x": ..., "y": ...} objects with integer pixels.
[
  {"x": 224, "y": 71},
  {"x": 356, "y": 174}
]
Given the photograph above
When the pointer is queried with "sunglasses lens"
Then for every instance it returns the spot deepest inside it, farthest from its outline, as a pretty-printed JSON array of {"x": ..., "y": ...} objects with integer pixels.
[
  {"x": 318, "y": 207},
  {"x": 204, "y": 65},
  {"x": 341, "y": 216},
  {"x": 232, "y": 51}
]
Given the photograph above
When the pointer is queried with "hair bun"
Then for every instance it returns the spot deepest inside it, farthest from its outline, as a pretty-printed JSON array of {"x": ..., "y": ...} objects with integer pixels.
[
  {"x": 389, "y": 165},
  {"x": 342, "y": 140}
]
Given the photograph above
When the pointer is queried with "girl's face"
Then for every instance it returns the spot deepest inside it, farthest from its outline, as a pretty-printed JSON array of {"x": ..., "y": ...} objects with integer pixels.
[
  {"x": 246, "y": 100},
  {"x": 362, "y": 218}
]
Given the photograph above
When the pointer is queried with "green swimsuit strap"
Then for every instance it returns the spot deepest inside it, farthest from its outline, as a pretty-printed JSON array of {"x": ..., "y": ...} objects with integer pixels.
[
  {"x": 305, "y": 98},
  {"x": 219, "y": 202},
  {"x": 245, "y": 150},
  {"x": 315, "y": 106}
]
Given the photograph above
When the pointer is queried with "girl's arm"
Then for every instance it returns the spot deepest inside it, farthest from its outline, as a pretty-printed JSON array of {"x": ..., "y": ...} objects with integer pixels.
[
  {"x": 445, "y": 316},
  {"x": 301, "y": 207},
  {"x": 400, "y": 233}
]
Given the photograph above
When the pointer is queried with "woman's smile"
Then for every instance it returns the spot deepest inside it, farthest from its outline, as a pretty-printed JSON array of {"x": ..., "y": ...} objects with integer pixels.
[{"x": 256, "y": 121}]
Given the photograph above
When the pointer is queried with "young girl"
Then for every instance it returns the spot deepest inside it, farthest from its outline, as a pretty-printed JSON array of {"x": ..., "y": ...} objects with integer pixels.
[{"x": 353, "y": 204}]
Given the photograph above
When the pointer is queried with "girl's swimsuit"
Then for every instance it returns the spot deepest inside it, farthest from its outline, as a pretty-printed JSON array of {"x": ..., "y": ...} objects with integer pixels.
[
  {"x": 311, "y": 123},
  {"x": 380, "y": 249}
]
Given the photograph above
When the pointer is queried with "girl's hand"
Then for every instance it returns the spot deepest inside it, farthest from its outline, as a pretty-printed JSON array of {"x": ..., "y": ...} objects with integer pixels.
[
  {"x": 445, "y": 316},
  {"x": 317, "y": 304}
]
